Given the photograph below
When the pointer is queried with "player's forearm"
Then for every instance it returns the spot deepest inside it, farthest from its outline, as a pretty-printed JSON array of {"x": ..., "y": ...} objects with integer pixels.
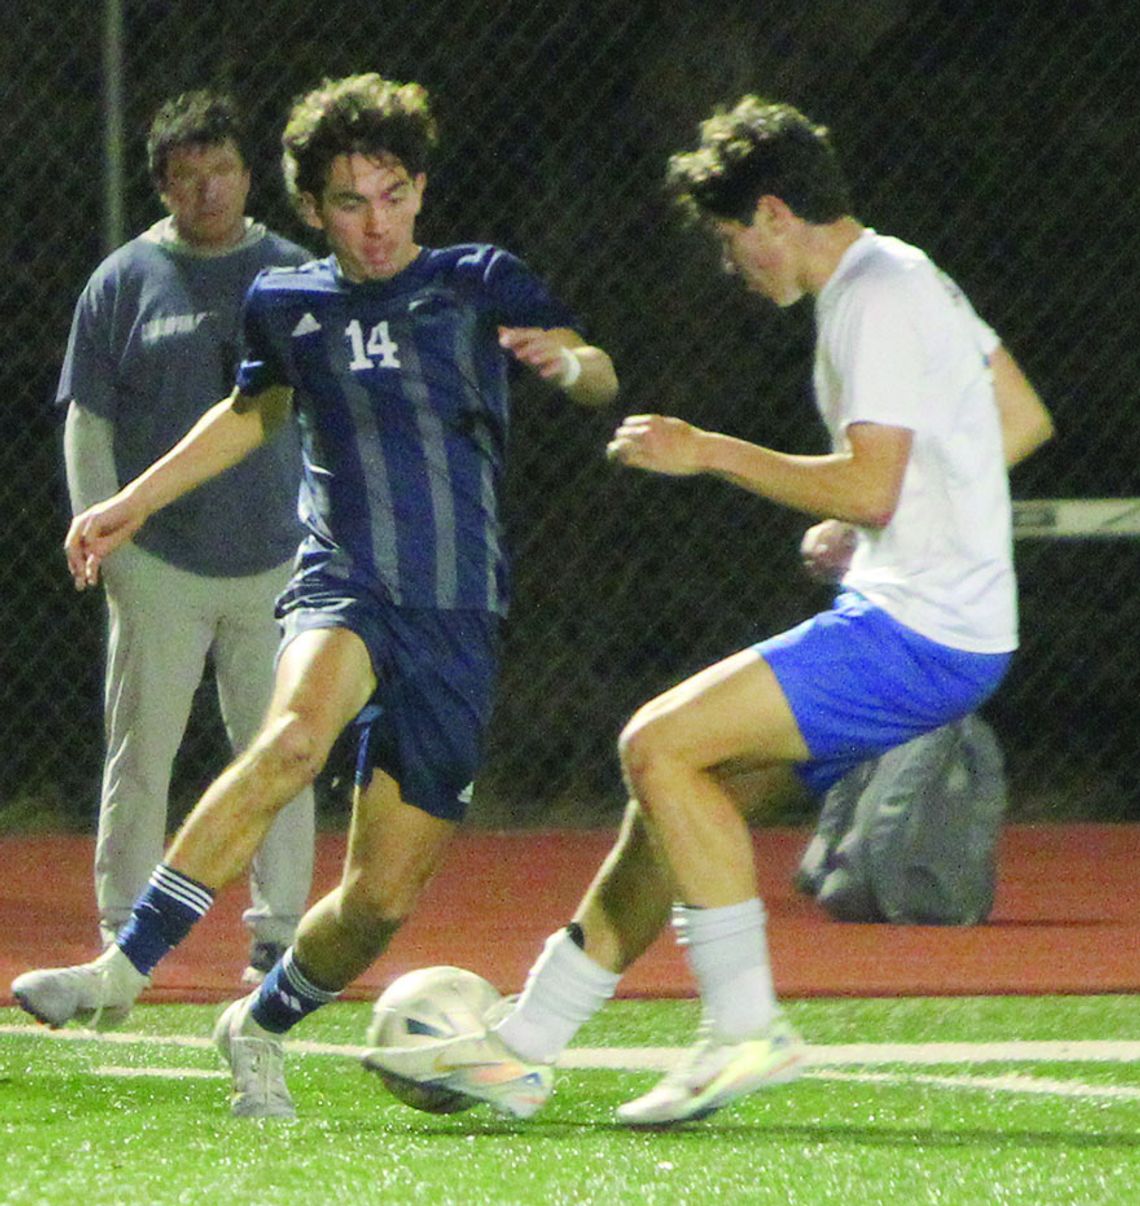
[
  {"x": 584, "y": 373},
  {"x": 222, "y": 437},
  {"x": 596, "y": 382},
  {"x": 838, "y": 486},
  {"x": 1025, "y": 422}
]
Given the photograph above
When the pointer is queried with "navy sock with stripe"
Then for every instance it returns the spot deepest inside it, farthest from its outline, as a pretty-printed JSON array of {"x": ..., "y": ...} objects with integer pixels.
[
  {"x": 163, "y": 915},
  {"x": 286, "y": 996}
]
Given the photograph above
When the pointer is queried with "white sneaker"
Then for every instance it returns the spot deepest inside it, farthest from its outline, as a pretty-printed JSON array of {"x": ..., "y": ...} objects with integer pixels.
[
  {"x": 256, "y": 1061},
  {"x": 98, "y": 994},
  {"x": 480, "y": 1066},
  {"x": 714, "y": 1073}
]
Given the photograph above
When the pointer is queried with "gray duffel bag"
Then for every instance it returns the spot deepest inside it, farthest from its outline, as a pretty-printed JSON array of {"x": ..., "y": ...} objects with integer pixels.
[{"x": 911, "y": 837}]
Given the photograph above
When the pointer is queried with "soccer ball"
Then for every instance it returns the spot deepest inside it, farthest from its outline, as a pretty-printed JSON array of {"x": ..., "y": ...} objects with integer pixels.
[{"x": 420, "y": 1008}]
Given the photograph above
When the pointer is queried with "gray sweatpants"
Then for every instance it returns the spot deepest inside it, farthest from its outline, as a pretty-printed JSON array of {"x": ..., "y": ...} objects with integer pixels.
[{"x": 162, "y": 623}]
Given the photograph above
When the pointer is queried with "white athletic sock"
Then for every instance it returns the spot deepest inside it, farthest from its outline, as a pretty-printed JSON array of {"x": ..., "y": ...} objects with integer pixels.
[
  {"x": 564, "y": 989},
  {"x": 728, "y": 951}
]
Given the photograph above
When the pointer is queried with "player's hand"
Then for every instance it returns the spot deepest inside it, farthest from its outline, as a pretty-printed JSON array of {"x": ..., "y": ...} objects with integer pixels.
[
  {"x": 657, "y": 443},
  {"x": 826, "y": 549},
  {"x": 96, "y": 533},
  {"x": 536, "y": 348}
]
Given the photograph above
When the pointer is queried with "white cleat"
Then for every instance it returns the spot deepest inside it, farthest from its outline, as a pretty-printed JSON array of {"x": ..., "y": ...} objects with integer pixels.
[
  {"x": 98, "y": 994},
  {"x": 256, "y": 1061},
  {"x": 479, "y": 1066},
  {"x": 714, "y": 1073}
]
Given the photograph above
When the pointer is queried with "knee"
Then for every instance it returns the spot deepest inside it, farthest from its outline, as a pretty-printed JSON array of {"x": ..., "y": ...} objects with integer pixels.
[
  {"x": 643, "y": 749},
  {"x": 291, "y": 748}
]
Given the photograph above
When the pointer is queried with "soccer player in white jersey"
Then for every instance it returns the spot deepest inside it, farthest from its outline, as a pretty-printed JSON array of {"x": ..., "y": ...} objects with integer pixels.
[
  {"x": 395, "y": 359},
  {"x": 925, "y": 410}
]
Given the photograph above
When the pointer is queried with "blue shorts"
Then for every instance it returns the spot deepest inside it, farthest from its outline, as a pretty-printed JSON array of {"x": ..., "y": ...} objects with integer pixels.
[
  {"x": 436, "y": 672},
  {"x": 859, "y": 683}
]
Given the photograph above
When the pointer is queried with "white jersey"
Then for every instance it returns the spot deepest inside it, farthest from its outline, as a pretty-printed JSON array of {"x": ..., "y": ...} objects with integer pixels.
[{"x": 899, "y": 344}]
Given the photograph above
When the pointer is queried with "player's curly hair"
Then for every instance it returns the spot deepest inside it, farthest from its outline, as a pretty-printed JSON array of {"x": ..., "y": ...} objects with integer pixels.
[
  {"x": 202, "y": 118},
  {"x": 364, "y": 114},
  {"x": 759, "y": 147}
]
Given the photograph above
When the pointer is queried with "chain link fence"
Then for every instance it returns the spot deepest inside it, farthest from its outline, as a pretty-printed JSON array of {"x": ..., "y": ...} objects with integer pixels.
[{"x": 999, "y": 137}]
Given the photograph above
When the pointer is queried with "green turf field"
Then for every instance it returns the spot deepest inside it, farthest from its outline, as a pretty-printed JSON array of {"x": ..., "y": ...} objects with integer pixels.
[{"x": 948, "y": 1101}]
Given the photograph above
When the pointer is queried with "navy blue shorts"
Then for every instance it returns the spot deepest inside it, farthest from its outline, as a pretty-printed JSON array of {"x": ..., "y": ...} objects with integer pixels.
[
  {"x": 437, "y": 670},
  {"x": 859, "y": 683}
]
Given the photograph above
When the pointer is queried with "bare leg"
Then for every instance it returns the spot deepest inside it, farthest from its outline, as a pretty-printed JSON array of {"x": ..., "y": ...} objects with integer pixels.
[
  {"x": 628, "y": 903},
  {"x": 244, "y": 652},
  {"x": 674, "y": 753},
  {"x": 679, "y": 754},
  {"x": 393, "y": 850},
  {"x": 324, "y": 677},
  {"x": 630, "y": 899},
  {"x": 623, "y": 911}
]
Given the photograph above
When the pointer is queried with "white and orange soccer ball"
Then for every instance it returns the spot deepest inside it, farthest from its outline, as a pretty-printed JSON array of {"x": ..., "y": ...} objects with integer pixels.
[{"x": 419, "y": 1009}]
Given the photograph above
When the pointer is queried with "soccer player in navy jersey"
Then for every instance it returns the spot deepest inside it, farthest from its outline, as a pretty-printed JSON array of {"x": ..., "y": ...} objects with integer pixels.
[{"x": 394, "y": 358}]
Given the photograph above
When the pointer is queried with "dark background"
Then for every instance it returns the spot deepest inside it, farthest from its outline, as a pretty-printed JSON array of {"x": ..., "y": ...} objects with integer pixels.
[{"x": 1001, "y": 138}]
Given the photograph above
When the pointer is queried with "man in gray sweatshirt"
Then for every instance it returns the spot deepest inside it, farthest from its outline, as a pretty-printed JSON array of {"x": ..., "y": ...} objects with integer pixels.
[{"x": 153, "y": 345}]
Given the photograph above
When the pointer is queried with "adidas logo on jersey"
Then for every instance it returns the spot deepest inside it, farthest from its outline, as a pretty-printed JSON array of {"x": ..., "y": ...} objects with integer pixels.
[{"x": 307, "y": 325}]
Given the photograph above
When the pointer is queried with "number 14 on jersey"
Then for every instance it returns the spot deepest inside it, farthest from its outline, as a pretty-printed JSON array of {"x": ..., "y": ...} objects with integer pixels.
[{"x": 380, "y": 350}]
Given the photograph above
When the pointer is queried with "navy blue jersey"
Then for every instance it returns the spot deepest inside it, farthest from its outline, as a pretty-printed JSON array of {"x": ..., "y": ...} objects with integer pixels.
[{"x": 402, "y": 404}]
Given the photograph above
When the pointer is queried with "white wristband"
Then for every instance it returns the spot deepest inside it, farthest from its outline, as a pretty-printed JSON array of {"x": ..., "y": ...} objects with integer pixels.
[{"x": 571, "y": 368}]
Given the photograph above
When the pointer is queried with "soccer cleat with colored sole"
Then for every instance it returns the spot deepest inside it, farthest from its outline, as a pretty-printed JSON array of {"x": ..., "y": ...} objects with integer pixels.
[
  {"x": 98, "y": 994},
  {"x": 256, "y": 1061},
  {"x": 481, "y": 1066},
  {"x": 714, "y": 1073}
]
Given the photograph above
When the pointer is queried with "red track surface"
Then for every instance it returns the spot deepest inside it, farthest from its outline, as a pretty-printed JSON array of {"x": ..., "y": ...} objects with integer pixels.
[{"x": 1067, "y": 919}]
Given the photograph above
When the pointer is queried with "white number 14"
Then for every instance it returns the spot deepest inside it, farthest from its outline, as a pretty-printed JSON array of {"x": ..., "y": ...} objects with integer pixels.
[{"x": 380, "y": 349}]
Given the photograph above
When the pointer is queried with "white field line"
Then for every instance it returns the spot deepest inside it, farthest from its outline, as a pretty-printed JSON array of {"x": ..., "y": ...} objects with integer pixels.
[
  {"x": 1010, "y": 1083},
  {"x": 820, "y": 1055},
  {"x": 824, "y": 1060},
  {"x": 832, "y": 1055}
]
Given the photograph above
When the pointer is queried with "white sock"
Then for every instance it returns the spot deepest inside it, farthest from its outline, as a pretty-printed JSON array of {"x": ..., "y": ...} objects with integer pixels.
[
  {"x": 728, "y": 951},
  {"x": 564, "y": 989}
]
